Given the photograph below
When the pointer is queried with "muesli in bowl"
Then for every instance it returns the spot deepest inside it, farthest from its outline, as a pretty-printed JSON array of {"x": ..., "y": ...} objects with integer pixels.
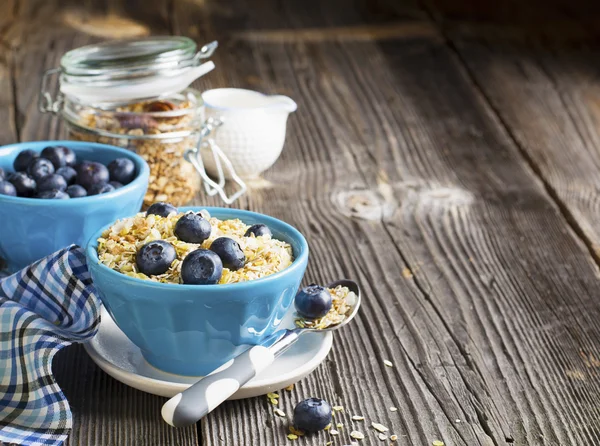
[
  {"x": 190, "y": 247},
  {"x": 192, "y": 327}
]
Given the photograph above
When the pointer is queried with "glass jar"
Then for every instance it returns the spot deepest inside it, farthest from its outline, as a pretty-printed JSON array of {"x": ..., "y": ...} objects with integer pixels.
[
  {"x": 135, "y": 94},
  {"x": 160, "y": 130}
]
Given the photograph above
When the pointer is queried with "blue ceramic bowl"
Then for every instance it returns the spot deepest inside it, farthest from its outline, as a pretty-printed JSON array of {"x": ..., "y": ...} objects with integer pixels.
[
  {"x": 32, "y": 228},
  {"x": 194, "y": 329}
]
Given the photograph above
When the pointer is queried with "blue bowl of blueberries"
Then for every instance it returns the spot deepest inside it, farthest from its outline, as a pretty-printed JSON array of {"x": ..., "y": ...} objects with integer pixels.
[{"x": 57, "y": 193}]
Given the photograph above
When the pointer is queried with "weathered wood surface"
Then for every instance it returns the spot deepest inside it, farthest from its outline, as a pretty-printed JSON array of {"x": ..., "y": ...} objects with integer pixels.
[{"x": 453, "y": 177}]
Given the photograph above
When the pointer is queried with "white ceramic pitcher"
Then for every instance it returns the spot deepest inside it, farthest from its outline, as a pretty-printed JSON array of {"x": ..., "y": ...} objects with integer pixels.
[{"x": 252, "y": 131}]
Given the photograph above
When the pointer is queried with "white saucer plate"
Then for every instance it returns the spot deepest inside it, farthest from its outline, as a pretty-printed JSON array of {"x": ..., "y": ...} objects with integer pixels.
[{"x": 114, "y": 353}]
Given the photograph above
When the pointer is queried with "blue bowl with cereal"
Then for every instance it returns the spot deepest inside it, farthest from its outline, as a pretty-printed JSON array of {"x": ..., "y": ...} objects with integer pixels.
[
  {"x": 57, "y": 193},
  {"x": 195, "y": 287}
]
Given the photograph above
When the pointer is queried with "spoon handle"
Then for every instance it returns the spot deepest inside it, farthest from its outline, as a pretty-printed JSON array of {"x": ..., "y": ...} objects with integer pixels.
[{"x": 204, "y": 396}]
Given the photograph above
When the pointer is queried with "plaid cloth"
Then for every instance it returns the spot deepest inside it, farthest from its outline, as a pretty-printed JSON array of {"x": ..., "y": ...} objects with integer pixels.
[{"x": 43, "y": 308}]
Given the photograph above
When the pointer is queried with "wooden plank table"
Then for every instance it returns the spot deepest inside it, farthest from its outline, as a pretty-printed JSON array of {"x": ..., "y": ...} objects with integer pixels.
[{"x": 445, "y": 153}]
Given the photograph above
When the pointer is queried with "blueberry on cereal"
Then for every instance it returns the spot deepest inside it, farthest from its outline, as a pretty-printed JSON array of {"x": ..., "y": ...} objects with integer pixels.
[
  {"x": 230, "y": 252},
  {"x": 201, "y": 267},
  {"x": 155, "y": 257},
  {"x": 161, "y": 209},
  {"x": 258, "y": 230},
  {"x": 313, "y": 301},
  {"x": 312, "y": 415},
  {"x": 192, "y": 228}
]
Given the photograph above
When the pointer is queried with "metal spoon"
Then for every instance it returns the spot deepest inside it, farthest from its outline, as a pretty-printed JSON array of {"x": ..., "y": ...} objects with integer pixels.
[{"x": 204, "y": 396}]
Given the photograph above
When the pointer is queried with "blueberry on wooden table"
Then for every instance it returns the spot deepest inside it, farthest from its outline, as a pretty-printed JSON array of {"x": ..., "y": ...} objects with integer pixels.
[
  {"x": 68, "y": 173},
  {"x": 161, "y": 208},
  {"x": 201, "y": 267},
  {"x": 312, "y": 415},
  {"x": 23, "y": 159},
  {"x": 230, "y": 252},
  {"x": 101, "y": 188},
  {"x": 192, "y": 228},
  {"x": 24, "y": 184},
  {"x": 91, "y": 173},
  {"x": 53, "y": 194},
  {"x": 313, "y": 301},
  {"x": 38, "y": 168},
  {"x": 258, "y": 230},
  {"x": 155, "y": 257},
  {"x": 121, "y": 170},
  {"x": 55, "y": 155},
  {"x": 50, "y": 182},
  {"x": 7, "y": 188},
  {"x": 76, "y": 191}
]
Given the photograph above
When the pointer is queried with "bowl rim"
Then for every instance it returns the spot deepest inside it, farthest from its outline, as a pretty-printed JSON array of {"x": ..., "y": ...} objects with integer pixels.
[
  {"x": 141, "y": 179},
  {"x": 94, "y": 261}
]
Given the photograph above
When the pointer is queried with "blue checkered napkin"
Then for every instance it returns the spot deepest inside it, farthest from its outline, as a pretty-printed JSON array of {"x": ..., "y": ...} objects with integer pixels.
[{"x": 43, "y": 308}]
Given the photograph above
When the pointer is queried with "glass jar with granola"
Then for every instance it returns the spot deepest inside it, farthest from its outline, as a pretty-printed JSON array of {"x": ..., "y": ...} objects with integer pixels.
[
  {"x": 159, "y": 130},
  {"x": 135, "y": 94}
]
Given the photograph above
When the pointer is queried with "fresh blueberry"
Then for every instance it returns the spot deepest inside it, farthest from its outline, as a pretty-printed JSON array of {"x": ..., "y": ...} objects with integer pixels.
[
  {"x": 98, "y": 189},
  {"x": 121, "y": 170},
  {"x": 161, "y": 208},
  {"x": 313, "y": 302},
  {"x": 68, "y": 173},
  {"x": 90, "y": 173},
  {"x": 76, "y": 191},
  {"x": 39, "y": 168},
  {"x": 2, "y": 174},
  {"x": 115, "y": 184},
  {"x": 7, "y": 188},
  {"x": 55, "y": 155},
  {"x": 258, "y": 230},
  {"x": 23, "y": 159},
  {"x": 312, "y": 415},
  {"x": 201, "y": 267},
  {"x": 69, "y": 155},
  {"x": 50, "y": 182},
  {"x": 25, "y": 185},
  {"x": 192, "y": 228},
  {"x": 155, "y": 257},
  {"x": 53, "y": 194},
  {"x": 230, "y": 252}
]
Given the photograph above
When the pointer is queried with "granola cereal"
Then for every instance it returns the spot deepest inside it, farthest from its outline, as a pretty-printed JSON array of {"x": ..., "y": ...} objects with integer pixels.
[
  {"x": 343, "y": 301},
  {"x": 160, "y": 131},
  {"x": 118, "y": 245}
]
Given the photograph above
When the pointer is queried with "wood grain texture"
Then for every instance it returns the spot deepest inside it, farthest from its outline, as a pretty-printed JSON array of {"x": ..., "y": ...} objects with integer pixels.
[{"x": 401, "y": 175}]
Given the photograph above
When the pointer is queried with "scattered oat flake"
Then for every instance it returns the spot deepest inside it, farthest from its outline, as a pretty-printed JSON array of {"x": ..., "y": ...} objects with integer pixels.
[
  {"x": 295, "y": 431},
  {"x": 292, "y": 437},
  {"x": 334, "y": 432},
  {"x": 356, "y": 434},
  {"x": 437, "y": 443},
  {"x": 329, "y": 443},
  {"x": 457, "y": 420},
  {"x": 338, "y": 408},
  {"x": 388, "y": 363},
  {"x": 340, "y": 425},
  {"x": 272, "y": 395},
  {"x": 393, "y": 409},
  {"x": 382, "y": 437},
  {"x": 274, "y": 401},
  {"x": 290, "y": 388},
  {"x": 406, "y": 273},
  {"x": 393, "y": 437},
  {"x": 358, "y": 418},
  {"x": 326, "y": 428},
  {"x": 280, "y": 412},
  {"x": 379, "y": 427}
]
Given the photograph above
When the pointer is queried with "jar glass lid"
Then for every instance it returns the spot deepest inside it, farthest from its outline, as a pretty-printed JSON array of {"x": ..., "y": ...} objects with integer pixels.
[{"x": 133, "y": 69}]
